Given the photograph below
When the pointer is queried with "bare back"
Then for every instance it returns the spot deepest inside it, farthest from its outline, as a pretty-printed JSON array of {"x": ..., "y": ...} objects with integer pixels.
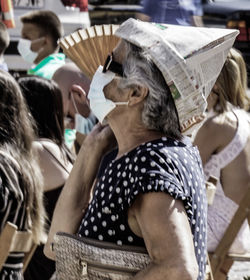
[{"x": 215, "y": 136}]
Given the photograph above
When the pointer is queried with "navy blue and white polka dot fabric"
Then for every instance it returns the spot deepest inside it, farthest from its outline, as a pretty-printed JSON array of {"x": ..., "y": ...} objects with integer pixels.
[{"x": 162, "y": 165}]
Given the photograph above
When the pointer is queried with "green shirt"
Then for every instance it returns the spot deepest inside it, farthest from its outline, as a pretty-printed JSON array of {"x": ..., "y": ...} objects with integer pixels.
[
  {"x": 47, "y": 67},
  {"x": 69, "y": 136}
]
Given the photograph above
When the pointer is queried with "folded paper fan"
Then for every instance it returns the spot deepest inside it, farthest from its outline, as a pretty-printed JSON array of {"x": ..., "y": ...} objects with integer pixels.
[{"x": 88, "y": 48}]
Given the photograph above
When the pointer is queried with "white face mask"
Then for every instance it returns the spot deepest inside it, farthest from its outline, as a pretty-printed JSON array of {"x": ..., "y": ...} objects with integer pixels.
[
  {"x": 25, "y": 51},
  {"x": 99, "y": 104}
]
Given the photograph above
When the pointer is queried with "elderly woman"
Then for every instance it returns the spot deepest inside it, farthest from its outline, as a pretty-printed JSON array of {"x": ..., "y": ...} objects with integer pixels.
[{"x": 152, "y": 194}]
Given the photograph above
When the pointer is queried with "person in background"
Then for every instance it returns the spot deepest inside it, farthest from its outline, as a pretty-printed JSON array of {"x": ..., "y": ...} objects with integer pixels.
[
  {"x": 44, "y": 101},
  {"x": 20, "y": 176},
  {"x": 38, "y": 45},
  {"x": 4, "y": 43},
  {"x": 180, "y": 12},
  {"x": 224, "y": 145},
  {"x": 82, "y": 5},
  {"x": 74, "y": 86}
]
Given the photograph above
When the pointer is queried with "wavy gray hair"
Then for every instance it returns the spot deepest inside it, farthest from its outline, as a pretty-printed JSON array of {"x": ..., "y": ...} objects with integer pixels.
[{"x": 159, "y": 112}]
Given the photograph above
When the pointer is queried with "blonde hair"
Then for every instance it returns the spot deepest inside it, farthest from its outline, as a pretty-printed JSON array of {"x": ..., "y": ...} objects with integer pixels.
[{"x": 231, "y": 84}]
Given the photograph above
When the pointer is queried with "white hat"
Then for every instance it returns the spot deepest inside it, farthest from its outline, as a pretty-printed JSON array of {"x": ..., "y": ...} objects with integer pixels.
[{"x": 190, "y": 59}]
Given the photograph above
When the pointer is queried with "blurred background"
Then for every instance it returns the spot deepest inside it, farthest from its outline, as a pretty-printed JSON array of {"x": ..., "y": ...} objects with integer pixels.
[{"x": 77, "y": 14}]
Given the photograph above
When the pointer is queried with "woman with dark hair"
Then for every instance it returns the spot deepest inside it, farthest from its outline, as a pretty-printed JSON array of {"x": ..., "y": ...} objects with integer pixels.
[
  {"x": 20, "y": 177},
  {"x": 44, "y": 100}
]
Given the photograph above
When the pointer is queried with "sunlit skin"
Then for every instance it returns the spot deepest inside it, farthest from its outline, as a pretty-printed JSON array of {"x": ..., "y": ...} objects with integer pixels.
[{"x": 217, "y": 132}]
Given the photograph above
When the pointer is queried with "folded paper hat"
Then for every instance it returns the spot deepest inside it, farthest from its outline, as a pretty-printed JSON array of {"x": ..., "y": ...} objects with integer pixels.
[{"x": 190, "y": 59}]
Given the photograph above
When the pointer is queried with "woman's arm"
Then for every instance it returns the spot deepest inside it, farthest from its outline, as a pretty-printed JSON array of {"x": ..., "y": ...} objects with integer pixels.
[
  {"x": 75, "y": 195},
  {"x": 163, "y": 224}
]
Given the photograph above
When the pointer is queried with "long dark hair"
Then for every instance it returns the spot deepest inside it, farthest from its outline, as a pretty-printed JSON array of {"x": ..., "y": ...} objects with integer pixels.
[
  {"x": 16, "y": 137},
  {"x": 44, "y": 100}
]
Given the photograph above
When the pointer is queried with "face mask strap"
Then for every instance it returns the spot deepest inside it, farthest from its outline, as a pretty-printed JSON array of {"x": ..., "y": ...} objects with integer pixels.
[
  {"x": 74, "y": 103},
  {"x": 122, "y": 103}
]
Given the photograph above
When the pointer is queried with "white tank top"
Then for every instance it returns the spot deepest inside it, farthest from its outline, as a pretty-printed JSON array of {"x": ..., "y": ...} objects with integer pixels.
[{"x": 220, "y": 213}]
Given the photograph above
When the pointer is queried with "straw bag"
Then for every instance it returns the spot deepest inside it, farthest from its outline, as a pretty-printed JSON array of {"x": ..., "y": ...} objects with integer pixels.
[{"x": 81, "y": 258}]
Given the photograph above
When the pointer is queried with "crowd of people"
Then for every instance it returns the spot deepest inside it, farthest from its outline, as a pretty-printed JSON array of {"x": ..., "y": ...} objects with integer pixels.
[{"x": 108, "y": 159}]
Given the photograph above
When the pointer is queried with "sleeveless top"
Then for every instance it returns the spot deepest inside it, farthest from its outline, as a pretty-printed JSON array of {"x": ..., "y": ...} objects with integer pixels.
[
  {"x": 222, "y": 210},
  {"x": 162, "y": 165}
]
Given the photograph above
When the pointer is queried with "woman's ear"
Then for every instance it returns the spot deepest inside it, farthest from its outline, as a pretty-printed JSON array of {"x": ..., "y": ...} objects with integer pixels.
[{"x": 137, "y": 94}]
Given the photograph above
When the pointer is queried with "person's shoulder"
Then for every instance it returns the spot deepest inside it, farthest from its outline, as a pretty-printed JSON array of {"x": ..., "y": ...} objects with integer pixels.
[
  {"x": 43, "y": 144},
  {"x": 225, "y": 123},
  {"x": 220, "y": 129},
  {"x": 215, "y": 125}
]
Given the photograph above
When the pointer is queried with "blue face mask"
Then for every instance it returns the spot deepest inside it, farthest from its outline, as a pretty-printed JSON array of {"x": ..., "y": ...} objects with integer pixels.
[
  {"x": 84, "y": 125},
  {"x": 99, "y": 104}
]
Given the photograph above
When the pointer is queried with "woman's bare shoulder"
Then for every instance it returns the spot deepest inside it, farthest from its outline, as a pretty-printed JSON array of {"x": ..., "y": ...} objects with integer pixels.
[{"x": 46, "y": 145}]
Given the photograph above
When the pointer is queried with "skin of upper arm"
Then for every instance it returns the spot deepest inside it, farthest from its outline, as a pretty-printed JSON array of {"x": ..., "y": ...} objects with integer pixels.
[{"x": 164, "y": 226}]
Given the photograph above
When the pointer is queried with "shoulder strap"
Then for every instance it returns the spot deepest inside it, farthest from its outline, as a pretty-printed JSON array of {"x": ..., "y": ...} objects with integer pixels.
[{"x": 233, "y": 149}]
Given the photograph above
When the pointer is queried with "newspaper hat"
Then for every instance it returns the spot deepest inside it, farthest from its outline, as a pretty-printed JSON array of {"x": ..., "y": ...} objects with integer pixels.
[{"x": 190, "y": 59}]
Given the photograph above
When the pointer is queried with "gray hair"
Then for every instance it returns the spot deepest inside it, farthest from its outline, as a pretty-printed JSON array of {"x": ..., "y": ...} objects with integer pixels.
[{"x": 159, "y": 112}]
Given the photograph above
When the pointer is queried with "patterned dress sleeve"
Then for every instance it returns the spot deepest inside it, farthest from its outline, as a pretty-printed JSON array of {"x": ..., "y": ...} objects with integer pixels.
[{"x": 156, "y": 171}]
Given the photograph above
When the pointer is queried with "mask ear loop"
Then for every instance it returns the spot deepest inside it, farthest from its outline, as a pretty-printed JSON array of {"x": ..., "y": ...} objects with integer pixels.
[{"x": 74, "y": 103}]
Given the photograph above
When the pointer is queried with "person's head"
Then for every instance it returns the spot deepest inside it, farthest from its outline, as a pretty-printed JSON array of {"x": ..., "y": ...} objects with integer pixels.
[
  {"x": 146, "y": 89},
  {"x": 15, "y": 125},
  {"x": 158, "y": 65},
  {"x": 44, "y": 101},
  {"x": 44, "y": 25},
  {"x": 4, "y": 38},
  {"x": 16, "y": 137},
  {"x": 231, "y": 84},
  {"x": 73, "y": 101}
]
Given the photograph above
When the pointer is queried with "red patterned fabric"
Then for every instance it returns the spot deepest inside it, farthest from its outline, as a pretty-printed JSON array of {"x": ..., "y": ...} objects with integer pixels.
[
  {"x": 7, "y": 13},
  {"x": 82, "y": 4}
]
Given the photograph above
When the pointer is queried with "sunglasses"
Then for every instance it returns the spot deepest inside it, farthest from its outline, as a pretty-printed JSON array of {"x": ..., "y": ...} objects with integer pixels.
[{"x": 111, "y": 65}]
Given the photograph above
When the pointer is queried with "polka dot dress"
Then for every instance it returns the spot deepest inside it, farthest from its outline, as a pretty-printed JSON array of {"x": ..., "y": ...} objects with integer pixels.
[{"x": 162, "y": 165}]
